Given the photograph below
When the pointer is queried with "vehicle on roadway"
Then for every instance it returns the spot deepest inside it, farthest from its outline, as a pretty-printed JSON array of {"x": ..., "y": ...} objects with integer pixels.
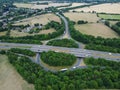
[
  {"x": 74, "y": 67},
  {"x": 65, "y": 69}
]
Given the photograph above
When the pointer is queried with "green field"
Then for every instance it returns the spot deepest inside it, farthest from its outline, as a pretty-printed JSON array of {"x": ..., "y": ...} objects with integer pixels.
[{"x": 110, "y": 16}]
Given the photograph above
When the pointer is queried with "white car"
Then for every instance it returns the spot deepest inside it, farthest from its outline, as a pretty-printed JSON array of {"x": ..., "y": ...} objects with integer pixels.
[
  {"x": 74, "y": 67},
  {"x": 65, "y": 69}
]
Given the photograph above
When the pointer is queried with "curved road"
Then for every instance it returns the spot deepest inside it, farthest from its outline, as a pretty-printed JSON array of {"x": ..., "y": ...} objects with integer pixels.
[{"x": 66, "y": 33}]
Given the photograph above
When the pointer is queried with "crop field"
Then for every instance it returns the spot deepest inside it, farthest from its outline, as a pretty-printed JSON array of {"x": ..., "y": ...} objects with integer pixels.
[
  {"x": 82, "y": 16},
  {"x": 113, "y": 22},
  {"x": 9, "y": 78},
  {"x": 73, "y": 5},
  {"x": 3, "y": 33},
  {"x": 41, "y": 19},
  {"x": 102, "y": 8},
  {"x": 110, "y": 16},
  {"x": 97, "y": 29},
  {"x": 24, "y": 5},
  {"x": 15, "y": 33},
  {"x": 77, "y": 4},
  {"x": 34, "y": 6}
]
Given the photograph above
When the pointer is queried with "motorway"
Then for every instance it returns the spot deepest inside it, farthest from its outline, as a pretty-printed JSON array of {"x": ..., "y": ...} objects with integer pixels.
[
  {"x": 75, "y": 51},
  {"x": 78, "y": 52}
]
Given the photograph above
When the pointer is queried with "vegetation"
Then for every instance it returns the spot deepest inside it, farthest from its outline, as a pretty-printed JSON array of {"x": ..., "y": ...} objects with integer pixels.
[
  {"x": 116, "y": 27},
  {"x": 90, "y": 1},
  {"x": 102, "y": 48},
  {"x": 58, "y": 59},
  {"x": 102, "y": 62},
  {"x": 82, "y": 6},
  {"x": 82, "y": 22},
  {"x": 114, "y": 17},
  {"x": 88, "y": 39},
  {"x": 22, "y": 51},
  {"x": 92, "y": 78},
  {"x": 107, "y": 23},
  {"x": 63, "y": 43},
  {"x": 36, "y": 38},
  {"x": 25, "y": 41},
  {"x": 2, "y": 52}
]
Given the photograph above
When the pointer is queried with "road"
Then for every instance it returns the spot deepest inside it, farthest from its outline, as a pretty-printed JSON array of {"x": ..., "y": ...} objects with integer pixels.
[
  {"x": 76, "y": 51},
  {"x": 66, "y": 33}
]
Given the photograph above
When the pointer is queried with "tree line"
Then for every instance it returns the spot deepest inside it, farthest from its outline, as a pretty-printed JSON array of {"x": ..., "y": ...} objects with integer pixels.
[
  {"x": 116, "y": 27},
  {"x": 63, "y": 43},
  {"x": 102, "y": 62},
  {"x": 57, "y": 59},
  {"x": 88, "y": 78},
  {"x": 102, "y": 48},
  {"x": 22, "y": 51}
]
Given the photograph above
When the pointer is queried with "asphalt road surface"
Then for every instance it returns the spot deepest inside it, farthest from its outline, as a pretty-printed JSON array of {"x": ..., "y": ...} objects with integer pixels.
[{"x": 75, "y": 51}]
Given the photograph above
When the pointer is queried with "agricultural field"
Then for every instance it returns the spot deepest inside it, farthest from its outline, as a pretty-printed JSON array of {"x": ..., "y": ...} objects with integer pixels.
[
  {"x": 23, "y": 5},
  {"x": 9, "y": 77},
  {"x": 73, "y": 5},
  {"x": 82, "y": 16},
  {"x": 35, "y": 6},
  {"x": 41, "y": 19},
  {"x": 102, "y": 8},
  {"x": 97, "y": 29},
  {"x": 16, "y": 33},
  {"x": 110, "y": 16},
  {"x": 77, "y": 4},
  {"x": 3, "y": 33},
  {"x": 113, "y": 22}
]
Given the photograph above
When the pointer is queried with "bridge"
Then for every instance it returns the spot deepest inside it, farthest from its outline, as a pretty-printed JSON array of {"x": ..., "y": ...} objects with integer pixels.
[{"x": 80, "y": 53}]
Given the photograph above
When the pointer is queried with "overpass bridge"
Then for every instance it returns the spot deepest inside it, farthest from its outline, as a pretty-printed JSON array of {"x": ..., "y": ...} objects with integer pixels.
[
  {"x": 75, "y": 51},
  {"x": 80, "y": 53}
]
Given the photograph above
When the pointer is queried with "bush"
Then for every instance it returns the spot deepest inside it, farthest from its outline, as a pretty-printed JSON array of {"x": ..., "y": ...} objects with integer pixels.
[
  {"x": 2, "y": 52},
  {"x": 82, "y": 22}
]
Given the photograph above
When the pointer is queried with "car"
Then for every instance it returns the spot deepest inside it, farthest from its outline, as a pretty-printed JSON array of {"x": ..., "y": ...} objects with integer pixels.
[
  {"x": 74, "y": 67},
  {"x": 65, "y": 69},
  {"x": 110, "y": 53}
]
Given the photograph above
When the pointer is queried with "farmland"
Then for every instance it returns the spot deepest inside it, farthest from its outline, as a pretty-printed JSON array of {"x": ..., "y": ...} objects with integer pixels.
[
  {"x": 73, "y": 5},
  {"x": 41, "y": 19},
  {"x": 92, "y": 28},
  {"x": 3, "y": 33},
  {"x": 9, "y": 78},
  {"x": 82, "y": 16},
  {"x": 110, "y": 16},
  {"x": 97, "y": 29},
  {"x": 102, "y": 8},
  {"x": 16, "y": 33},
  {"x": 35, "y": 6}
]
